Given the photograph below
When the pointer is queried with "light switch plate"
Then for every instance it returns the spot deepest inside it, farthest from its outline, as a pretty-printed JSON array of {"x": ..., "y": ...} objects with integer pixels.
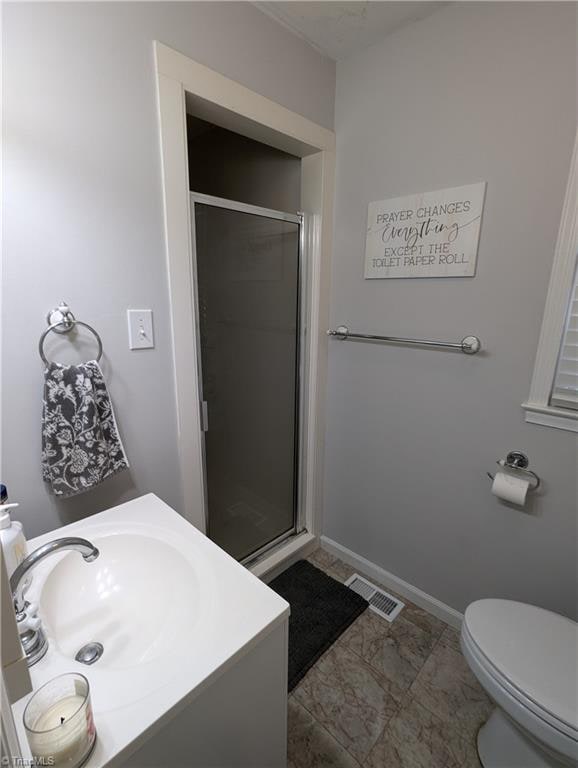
[{"x": 140, "y": 328}]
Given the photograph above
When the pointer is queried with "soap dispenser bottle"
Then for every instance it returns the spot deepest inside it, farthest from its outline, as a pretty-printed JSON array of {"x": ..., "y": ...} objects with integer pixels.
[{"x": 11, "y": 535}]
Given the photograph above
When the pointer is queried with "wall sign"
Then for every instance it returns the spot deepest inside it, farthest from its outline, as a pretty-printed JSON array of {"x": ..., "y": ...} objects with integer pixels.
[{"x": 432, "y": 234}]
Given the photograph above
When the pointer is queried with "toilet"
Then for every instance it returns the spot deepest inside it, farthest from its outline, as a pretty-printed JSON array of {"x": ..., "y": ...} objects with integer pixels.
[{"x": 526, "y": 659}]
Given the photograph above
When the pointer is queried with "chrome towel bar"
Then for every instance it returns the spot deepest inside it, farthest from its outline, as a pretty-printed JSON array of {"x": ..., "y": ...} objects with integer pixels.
[{"x": 469, "y": 345}]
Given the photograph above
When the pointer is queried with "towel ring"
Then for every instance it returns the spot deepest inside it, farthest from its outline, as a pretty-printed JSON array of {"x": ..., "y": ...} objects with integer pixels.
[{"x": 65, "y": 325}]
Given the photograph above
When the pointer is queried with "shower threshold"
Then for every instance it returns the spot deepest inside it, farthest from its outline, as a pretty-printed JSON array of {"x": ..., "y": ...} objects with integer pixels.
[{"x": 280, "y": 555}]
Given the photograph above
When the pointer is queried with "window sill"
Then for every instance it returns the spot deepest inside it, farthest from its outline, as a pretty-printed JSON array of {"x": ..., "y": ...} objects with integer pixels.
[{"x": 548, "y": 416}]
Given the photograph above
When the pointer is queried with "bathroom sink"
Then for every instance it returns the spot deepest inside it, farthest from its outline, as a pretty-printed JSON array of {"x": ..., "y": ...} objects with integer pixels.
[
  {"x": 143, "y": 599},
  {"x": 171, "y": 609},
  {"x": 131, "y": 600}
]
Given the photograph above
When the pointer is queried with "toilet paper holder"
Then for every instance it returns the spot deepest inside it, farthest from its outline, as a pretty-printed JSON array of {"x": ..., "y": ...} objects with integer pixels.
[{"x": 519, "y": 462}]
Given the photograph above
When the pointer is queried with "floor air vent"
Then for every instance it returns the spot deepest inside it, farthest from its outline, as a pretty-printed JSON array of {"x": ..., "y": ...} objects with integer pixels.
[{"x": 380, "y": 602}]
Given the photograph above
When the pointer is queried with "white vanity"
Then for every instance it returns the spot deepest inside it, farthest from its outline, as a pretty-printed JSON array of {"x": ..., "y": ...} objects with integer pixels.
[{"x": 194, "y": 667}]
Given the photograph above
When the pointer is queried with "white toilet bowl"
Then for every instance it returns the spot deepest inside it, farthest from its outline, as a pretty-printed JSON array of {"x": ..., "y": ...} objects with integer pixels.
[{"x": 526, "y": 659}]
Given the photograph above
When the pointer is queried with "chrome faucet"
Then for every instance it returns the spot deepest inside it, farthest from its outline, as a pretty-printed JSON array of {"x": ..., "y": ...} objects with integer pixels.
[{"x": 32, "y": 635}]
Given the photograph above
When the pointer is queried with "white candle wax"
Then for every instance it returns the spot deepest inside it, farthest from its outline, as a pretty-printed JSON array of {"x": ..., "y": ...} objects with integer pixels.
[
  {"x": 66, "y": 732},
  {"x": 59, "y": 713}
]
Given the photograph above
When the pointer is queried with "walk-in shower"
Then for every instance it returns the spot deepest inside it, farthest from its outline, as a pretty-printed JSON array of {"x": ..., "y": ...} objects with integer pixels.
[{"x": 248, "y": 271}]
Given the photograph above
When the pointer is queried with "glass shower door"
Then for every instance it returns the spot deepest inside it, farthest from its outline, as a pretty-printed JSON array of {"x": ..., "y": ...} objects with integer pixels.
[{"x": 247, "y": 274}]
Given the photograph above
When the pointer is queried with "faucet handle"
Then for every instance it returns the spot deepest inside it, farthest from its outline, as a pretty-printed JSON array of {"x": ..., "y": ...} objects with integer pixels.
[
  {"x": 34, "y": 623},
  {"x": 29, "y": 621}
]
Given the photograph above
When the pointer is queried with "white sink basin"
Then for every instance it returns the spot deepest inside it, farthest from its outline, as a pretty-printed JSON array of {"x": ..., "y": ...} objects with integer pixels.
[
  {"x": 171, "y": 609},
  {"x": 132, "y": 599},
  {"x": 144, "y": 599}
]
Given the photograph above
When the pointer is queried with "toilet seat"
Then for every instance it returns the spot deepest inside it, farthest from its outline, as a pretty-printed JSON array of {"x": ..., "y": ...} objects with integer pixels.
[{"x": 527, "y": 659}]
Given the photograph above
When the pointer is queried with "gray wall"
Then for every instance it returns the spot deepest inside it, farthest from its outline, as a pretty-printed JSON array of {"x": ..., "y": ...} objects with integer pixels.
[
  {"x": 473, "y": 92},
  {"x": 83, "y": 215}
]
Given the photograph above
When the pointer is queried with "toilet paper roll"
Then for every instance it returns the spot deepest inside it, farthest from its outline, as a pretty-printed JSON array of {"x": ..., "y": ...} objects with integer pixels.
[{"x": 510, "y": 488}]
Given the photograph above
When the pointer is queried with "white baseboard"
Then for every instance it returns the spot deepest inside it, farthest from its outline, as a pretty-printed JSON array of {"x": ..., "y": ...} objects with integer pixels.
[{"x": 427, "y": 602}]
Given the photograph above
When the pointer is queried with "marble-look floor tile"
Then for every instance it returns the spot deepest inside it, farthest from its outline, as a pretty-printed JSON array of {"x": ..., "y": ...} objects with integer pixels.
[
  {"x": 322, "y": 559},
  {"x": 423, "y": 619},
  {"x": 340, "y": 571},
  {"x": 364, "y": 634},
  {"x": 309, "y": 745},
  {"x": 332, "y": 566},
  {"x": 451, "y": 638},
  {"x": 349, "y": 698},
  {"x": 397, "y": 650},
  {"x": 415, "y": 738},
  {"x": 447, "y": 688}
]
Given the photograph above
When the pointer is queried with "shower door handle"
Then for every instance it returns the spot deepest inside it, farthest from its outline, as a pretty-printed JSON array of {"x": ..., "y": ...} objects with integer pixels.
[{"x": 204, "y": 416}]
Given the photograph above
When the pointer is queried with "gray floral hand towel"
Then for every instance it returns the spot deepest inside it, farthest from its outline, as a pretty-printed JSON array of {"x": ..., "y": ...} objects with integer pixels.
[{"x": 81, "y": 446}]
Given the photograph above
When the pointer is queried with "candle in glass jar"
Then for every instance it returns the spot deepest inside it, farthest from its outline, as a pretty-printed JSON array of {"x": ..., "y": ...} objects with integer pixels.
[
  {"x": 59, "y": 723},
  {"x": 68, "y": 737}
]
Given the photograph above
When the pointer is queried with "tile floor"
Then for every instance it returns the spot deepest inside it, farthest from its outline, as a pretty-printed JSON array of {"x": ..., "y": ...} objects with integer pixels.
[{"x": 396, "y": 695}]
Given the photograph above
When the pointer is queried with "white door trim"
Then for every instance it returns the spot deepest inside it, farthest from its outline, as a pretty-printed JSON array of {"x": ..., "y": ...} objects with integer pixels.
[
  {"x": 236, "y": 105},
  {"x": 182, "y": 81}
]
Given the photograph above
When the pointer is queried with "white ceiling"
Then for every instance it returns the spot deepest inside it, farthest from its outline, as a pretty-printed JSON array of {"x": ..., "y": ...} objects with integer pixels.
[{"x": 338, "y": 29}]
